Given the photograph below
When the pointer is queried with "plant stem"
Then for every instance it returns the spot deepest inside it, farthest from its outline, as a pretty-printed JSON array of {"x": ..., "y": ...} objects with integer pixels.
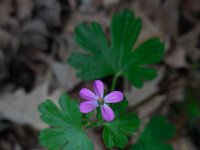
[
  {"x": 94, "y": 124},
  {"x": 114, "y": 82}
]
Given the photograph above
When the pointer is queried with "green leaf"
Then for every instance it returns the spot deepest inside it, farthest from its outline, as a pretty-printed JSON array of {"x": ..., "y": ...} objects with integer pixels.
[
  {"x": 149, "y": 52},
  {"x": 116, "y": 133},
  {"x": 66, "y": 132},
  {"x": 95, "y": 63},
  {"x": 102, "y": 59},
  {"x": 155, "y": 135},
  {"x": 120, "y": 108},
  {"x": 151, "y": 145}
]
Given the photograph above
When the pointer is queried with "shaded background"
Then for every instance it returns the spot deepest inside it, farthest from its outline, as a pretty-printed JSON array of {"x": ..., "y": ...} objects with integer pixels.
[{"x": 36, "y": 38}]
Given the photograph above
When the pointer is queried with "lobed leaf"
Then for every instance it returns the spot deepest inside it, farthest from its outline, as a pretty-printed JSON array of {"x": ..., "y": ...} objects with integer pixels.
[
  {"x": 66, "y": 132},
  {"x": 155, "y": 135},
  {"x": 116, "y": 133},
  {"x": 102, "y": 59}
]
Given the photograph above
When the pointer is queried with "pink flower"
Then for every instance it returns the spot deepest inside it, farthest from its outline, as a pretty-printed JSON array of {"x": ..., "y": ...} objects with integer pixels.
[{"x": 97, "y": 99}]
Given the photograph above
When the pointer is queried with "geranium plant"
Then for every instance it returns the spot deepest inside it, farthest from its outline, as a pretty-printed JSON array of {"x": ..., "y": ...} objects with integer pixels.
[{"x": 99, "y": 109}]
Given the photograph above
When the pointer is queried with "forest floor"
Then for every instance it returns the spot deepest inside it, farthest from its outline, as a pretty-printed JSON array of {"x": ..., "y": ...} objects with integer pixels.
[{"x": 36, "y": 39}]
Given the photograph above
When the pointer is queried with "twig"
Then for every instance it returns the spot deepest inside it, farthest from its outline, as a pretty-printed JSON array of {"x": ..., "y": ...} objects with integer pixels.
[
  {"x": 146, "y": 100},
  {"x": 153, "y": 95}
]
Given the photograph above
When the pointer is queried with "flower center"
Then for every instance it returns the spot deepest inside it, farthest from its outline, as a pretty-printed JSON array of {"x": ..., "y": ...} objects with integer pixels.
[{"x": 100, "y": 101}]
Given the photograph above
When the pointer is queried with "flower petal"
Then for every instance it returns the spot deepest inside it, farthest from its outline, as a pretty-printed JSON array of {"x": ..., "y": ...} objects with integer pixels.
[
  {"x": 88, "y": 106},
  {"x": 88, "y": 95},
  {"x": 107, "y": 113},
  {"x": 98, "y": 88},
  {"x": 114, "y": 97}
]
